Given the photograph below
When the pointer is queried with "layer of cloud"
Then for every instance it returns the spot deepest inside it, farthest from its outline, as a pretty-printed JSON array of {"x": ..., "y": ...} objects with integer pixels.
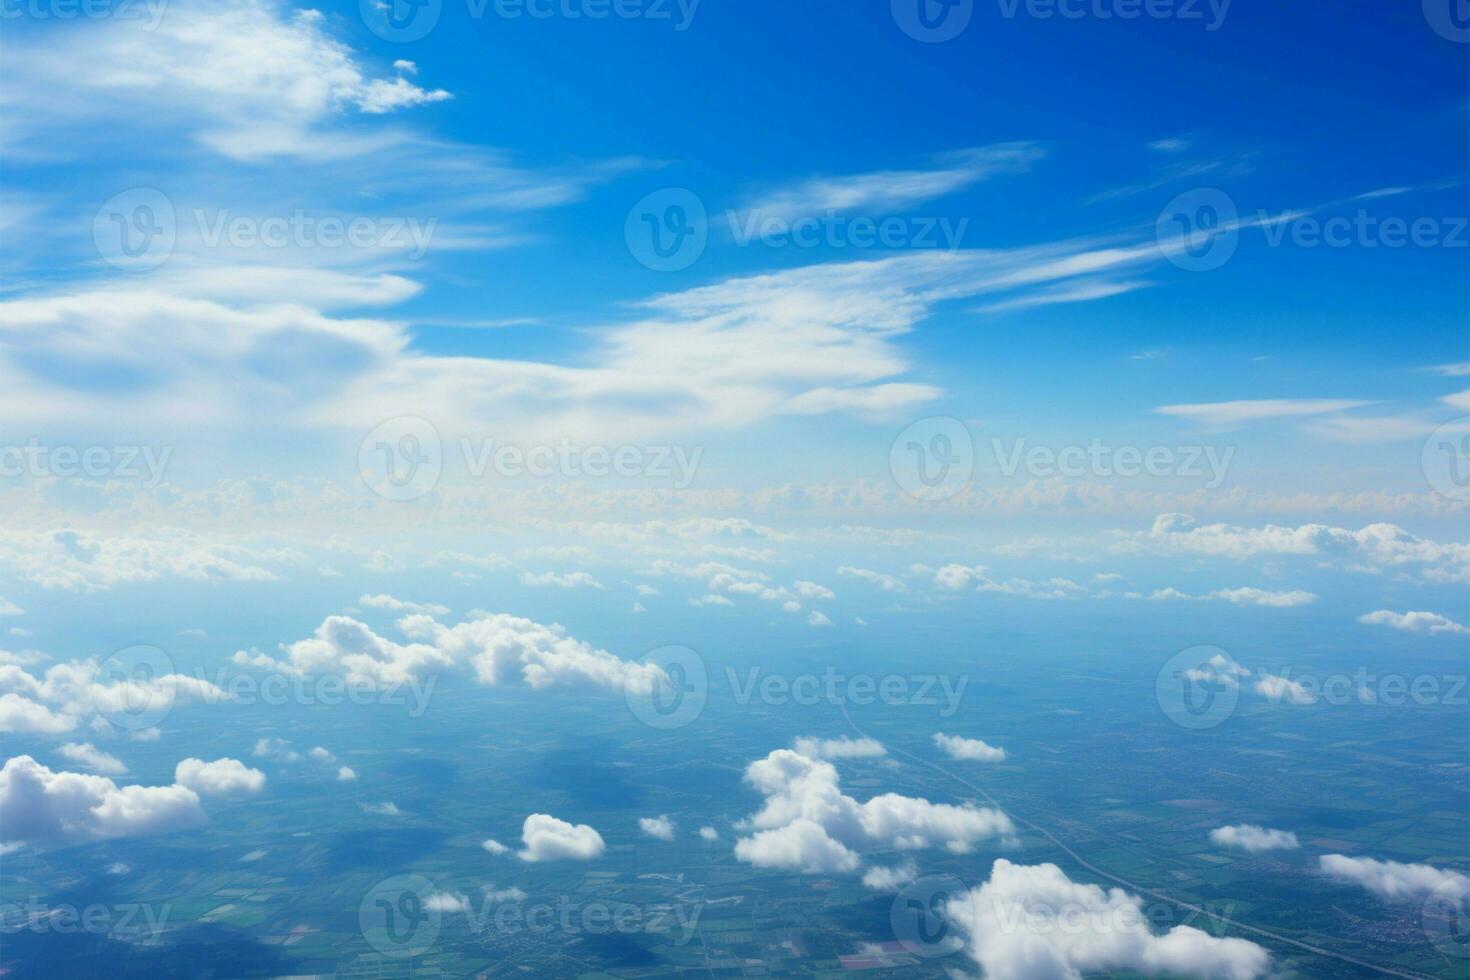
[{"x": 1391, "y": 880}]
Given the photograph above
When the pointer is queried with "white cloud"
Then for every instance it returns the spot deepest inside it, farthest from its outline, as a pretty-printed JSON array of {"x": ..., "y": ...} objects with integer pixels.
[
  {"x": 809, "y": 824},
  {"x": 86, "y": 754},
  {"x": 1391, "y": 880},
  {"x": 885, "y": 582},
  {"x": 498, "y": 649},
  {"x": 1263, "y": 410},
  {"x": 385, "y": 809},
  {"x": 571, "y": 580},
  {"x": 220, "y": 777},
  {"x": 447, "y": 902},
  {"x": 399, "y": 605},
  {"x": 890, "y": 879},
  {"x": 1254, "y": 839},
  {"x": 71, "y": 692},
  {"x": 346, "y": 774},
  {"x": 660, "y": 826},
  {"x": 811, "y": 590},
  {"x": 708, "y": 834},
  {"x": 969, "y": 749},
  {"x": 45, "y": 808},
  {"x": 321, "y": 754},
  {"x": 8, "y": 608},
  {"x": 1282, "y": 688},
  {"x": 815, "y": 618},
  {"x": 494, "y": 846},
  {"x": 1244, "y": 596},
  {"x": 1414, "y": 622},
  {"x": 956, "y": 577},
  {"x": 1034, "y": 923},
  {"x": 548, "y": 839},
  {"x": 838, "y": 748},
  {"x": 22, "y": 715}
]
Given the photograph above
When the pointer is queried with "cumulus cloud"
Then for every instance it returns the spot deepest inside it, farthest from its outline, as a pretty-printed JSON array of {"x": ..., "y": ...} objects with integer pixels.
[
  {"x": 838, "y": 748},
  {"x": 447, "y": 902},
  {"x": 708, "y": 834},
  {"x": 883, "y": 581},
  {"x": 571, "y": 580},
  {"x": 1035, "y": 923},
  {"x": 660, "y": 827},
  {"x": 494, "y": 846},
  {"x": 815, "y": 618},
  {"x": 219, "y": 778},
  {"x": 811, "y": 590},
  {"x": 890, "y": 879},
  {"x": 1254, "y": 839},
  {"x": 45, "y": 808},
  {"x": 969, "y": 749},
  {"x": 400, "y": 605},
  {"x": 86, "y": 754},
  {"x": 1244, "y": 596},
  {"x": 548, "y": 839},
  {"x": 1279, "y": 688},
  {"x": 1390, "y": 880},
  {"x": 808, "y": 824},
  {"x": 72, "y": 692},
  {"x": 346, "y": 774},
  {"x": 1413, "y": 622},
  {"x": 497, "y": 648}
]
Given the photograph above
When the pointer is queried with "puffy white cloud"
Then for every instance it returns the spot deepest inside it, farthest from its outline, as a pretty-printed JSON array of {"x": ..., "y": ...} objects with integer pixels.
[
  {"x": 346, "y": 774},
  {"x": 708, "y": 834},
  {"x": 571, "y": 580},
  {"x": 660, "y": 827},
  {"x": 969, "y": 749},
  {"x": 497, "y": 648},
  {"x": 1254, "y": 839},
  {"x": 809, "y": 824},
  {"x": 387, "y": 808},
  {"x": 46, "y": 808},
  {"x": 890, "y": 879},
  {"x": 1391, "y": 880},
  {"x": 75, "y": 691},
  {"x": 447, "y": 902},
  {"x": 82, "y": 561},
  {"x": 1413, "y": 622},
  {"x": 1034, "y": 923},
  {"x": 1278, "y": 688},
  {"x": 815, "y": 618},
  {"x": 494, "y": 846},
  {"x": 400, "y": 605},
  {"x": 956, "y": 577},
  {"x": 86, "y": 754},
  {"x": 811, "y": 590},
  {"x": 21, "y": 714},
  {"x": 548, "y": 839},
  {"x": 838, "y": 748},
  {"x": 885, "y": 582},
  {"x": 1244, "y": 596},
  {"x": 219, "y": 778}
]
